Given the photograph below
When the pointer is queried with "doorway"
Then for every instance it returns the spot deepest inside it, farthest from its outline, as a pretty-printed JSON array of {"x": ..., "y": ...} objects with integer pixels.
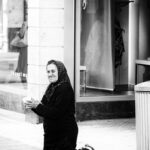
[{"x": 99, "y": 72}]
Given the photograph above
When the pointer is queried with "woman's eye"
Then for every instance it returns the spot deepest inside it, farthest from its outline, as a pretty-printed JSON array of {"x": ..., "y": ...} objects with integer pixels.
[{"x": 53, "y": 71}]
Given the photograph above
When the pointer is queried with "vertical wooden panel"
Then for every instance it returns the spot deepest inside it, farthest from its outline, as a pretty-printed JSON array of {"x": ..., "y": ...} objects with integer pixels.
[{"x": 142, "y": 120}]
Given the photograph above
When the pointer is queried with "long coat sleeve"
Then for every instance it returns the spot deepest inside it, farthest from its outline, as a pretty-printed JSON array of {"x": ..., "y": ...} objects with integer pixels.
[
  {"x": 62, "y": 102},
  {"x": 58, "y": 113}
]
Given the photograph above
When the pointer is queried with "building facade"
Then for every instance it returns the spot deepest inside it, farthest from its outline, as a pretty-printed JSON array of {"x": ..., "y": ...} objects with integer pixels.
[{"x": 98, "y": 41}]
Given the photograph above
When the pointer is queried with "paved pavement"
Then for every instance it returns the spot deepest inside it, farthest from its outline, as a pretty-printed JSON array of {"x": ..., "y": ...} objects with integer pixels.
[{"x": 115, "y": 134}]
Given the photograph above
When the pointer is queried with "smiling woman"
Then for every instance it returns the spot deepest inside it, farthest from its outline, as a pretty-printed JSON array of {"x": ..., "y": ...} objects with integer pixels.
[
  {"x": 52, "y": 73},
  {"x": 57, "y": 108}
]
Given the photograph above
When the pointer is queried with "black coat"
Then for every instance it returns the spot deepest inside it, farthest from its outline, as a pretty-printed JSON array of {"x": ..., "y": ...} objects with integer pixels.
[{"x": 58, "y": 115}]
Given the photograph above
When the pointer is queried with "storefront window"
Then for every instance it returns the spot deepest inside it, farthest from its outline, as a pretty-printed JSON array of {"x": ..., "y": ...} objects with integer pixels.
[
  {"x": 18, "y": 45},
  {"x": 1, "y": 22},
  {"x": 13, "y": 59}
]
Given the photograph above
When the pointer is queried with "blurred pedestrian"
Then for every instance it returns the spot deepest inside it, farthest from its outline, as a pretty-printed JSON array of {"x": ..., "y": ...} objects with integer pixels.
[{"x": 20, "y": 43}]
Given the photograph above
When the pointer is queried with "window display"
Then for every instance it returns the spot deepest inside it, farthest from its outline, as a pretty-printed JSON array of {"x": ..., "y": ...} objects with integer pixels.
[
  {"x": 13, "y": 59},
  {"x": 95, "y": 45}
]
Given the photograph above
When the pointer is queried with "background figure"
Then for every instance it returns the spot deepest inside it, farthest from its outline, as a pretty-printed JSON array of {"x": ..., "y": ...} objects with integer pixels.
[
  {"x": 20, "y": 43},
  {"x": 57, "y": 108},
  {"x": 22, "y": 64}
]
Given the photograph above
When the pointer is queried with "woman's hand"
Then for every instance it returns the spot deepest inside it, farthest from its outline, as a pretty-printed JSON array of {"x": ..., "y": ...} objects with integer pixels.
[{"x": 31, "y": 103}]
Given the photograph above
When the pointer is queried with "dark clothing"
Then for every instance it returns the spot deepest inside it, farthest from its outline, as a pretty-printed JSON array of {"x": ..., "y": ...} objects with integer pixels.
[
  {"x": 22, "y": 61},
  {"x": 119, "y": 44},
  {"x": 57, "y": 110}
]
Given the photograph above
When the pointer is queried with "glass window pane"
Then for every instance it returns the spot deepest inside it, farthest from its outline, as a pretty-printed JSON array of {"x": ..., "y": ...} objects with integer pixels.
[
  {"x": 1, "y": 22},
  {"x": 96, "y": 69},
  {"x": 13, "y": 60}
]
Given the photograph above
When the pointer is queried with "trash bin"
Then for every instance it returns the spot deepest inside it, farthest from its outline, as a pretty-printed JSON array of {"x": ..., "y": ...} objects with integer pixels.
[{"x": 142, "y": 106}]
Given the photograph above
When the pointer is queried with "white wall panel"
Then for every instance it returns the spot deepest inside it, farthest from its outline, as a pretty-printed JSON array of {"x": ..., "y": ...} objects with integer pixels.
[
  {"x": 40, "y": 55},
  {"x": 46, "y": 17},
  {"x": 46, "y": 36},
  {"x": 46, "y": 3},
  {"x": 38, "y": 75}
]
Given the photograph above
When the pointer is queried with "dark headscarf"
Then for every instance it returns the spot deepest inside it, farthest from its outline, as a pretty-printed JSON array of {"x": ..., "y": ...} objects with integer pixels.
[{"x": 62, "y": 77}]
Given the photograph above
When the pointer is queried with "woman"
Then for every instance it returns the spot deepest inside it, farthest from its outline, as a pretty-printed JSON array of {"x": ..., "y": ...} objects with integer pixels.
[{"x": 57, "y": 108}]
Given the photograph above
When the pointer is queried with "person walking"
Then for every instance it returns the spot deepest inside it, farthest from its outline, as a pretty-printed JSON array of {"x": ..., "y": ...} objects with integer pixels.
[{"x": 57, "y": 108}]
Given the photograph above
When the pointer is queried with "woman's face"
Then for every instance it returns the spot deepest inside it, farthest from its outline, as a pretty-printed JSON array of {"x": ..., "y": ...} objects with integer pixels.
[{"x": 52, "y": 73}]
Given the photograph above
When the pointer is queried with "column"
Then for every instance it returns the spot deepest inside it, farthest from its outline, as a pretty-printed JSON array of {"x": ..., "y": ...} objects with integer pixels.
[
  {"x": 142, "y": 101},
  {"x": 45, "y": 42},
  {"x": 133, "y": 39}
]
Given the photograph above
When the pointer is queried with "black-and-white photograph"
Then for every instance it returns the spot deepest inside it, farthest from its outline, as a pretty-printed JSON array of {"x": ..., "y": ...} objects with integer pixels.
[{"x": 74, "y": 74}]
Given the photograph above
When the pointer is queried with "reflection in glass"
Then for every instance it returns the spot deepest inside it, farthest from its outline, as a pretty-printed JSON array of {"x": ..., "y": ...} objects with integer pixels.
[
  {"x": 19, "y": 42},
  {"x": 96, "y": 50},
  {"x": 1, "y": 22},
  {"x": 13, "y": 61}
]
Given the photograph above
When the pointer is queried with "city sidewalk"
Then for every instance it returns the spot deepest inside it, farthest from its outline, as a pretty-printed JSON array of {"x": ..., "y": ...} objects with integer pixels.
[{"x": 114, "y": 134}]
